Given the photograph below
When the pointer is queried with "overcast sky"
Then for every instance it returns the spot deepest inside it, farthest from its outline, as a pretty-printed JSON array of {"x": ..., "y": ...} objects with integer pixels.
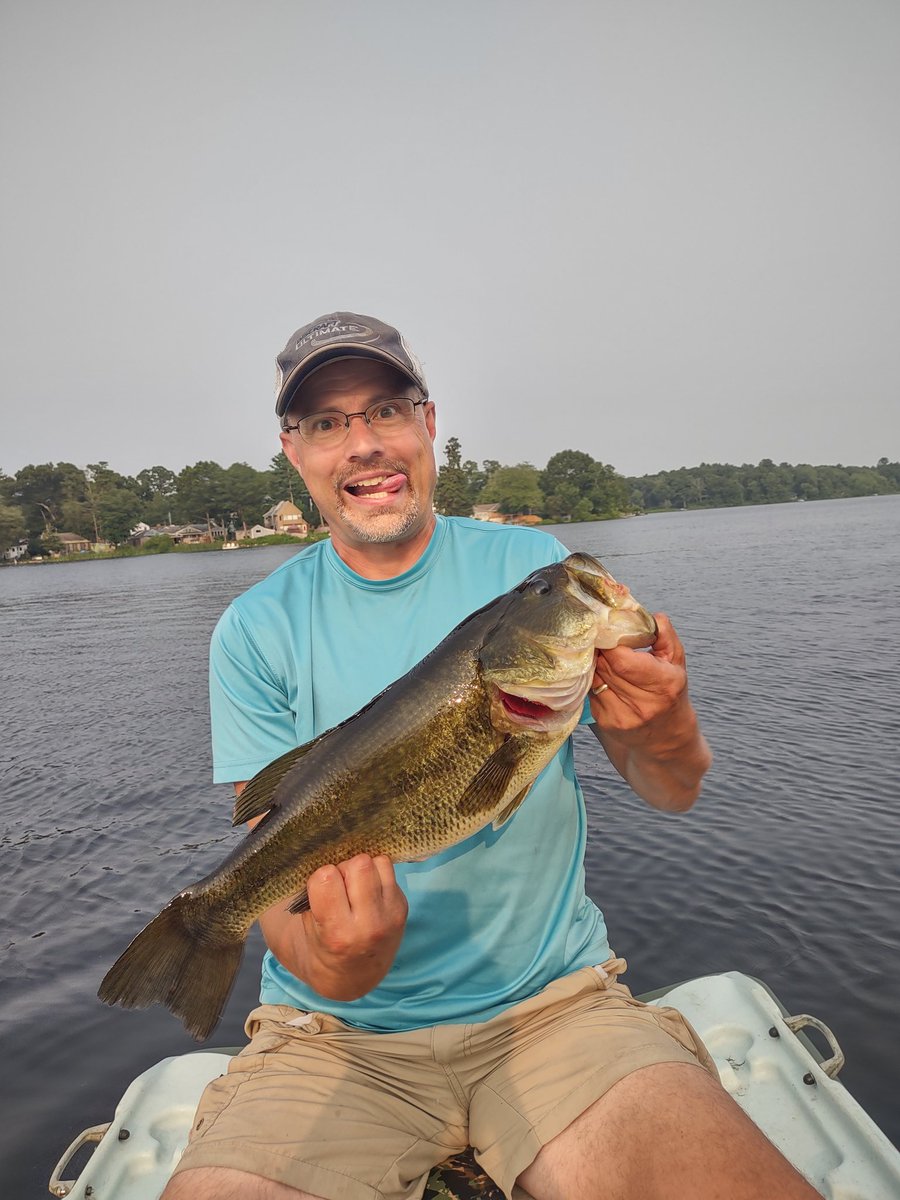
[{"x": 663, "y": 233}]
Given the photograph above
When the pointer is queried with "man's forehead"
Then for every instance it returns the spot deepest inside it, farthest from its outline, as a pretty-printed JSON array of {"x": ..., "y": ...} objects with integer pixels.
[{"x": 343, "y": 378}]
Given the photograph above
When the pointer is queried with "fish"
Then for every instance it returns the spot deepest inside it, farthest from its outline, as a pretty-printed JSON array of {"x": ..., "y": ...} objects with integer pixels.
[{"x": 450, "y": 747}]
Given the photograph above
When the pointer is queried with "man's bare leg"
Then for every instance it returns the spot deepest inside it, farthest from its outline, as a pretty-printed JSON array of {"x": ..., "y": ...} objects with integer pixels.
[
  {"x": 224, "y": 1183},
  {"x": 663, "y": 1133}
]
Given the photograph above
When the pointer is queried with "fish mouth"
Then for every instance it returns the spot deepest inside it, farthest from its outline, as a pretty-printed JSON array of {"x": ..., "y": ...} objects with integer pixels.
[
  {"x": 621, "y": 620},
  {"x": 518, "y": 706},
  {"x": 543, "y": 709}
]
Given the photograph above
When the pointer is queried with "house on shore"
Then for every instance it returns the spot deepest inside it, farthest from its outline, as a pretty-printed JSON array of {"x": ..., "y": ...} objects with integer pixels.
[
  {"x": 254, "y": 532},
  {"x": 181, "y": 535},
  {"x": 73, "y": 543},
  {"x": 285, "y": 517},
  {"x": 489, "y": 512}
]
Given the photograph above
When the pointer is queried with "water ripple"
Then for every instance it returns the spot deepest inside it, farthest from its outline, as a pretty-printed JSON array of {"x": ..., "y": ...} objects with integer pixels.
[{"x": 785, "y": 869}]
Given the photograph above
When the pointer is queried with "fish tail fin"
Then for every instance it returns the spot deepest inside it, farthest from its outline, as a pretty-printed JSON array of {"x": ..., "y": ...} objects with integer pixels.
[{"x": 171, "y": 962}]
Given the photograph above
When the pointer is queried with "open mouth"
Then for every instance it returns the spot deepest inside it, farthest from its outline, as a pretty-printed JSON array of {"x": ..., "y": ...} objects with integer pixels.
[
  {"x": 520, "y": 707},
  {"x": 377, "y": 487}
]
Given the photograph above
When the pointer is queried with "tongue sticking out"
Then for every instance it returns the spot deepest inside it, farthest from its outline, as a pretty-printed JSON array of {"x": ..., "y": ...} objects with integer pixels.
[
  {"x": 522, "y": 707},
  {"x": 381, "y": 487}
]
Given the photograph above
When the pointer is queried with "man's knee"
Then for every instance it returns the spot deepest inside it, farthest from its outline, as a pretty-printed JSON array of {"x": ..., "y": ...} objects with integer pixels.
[
  {"x": 666, "y": 1130},
  {"x": 225, "y": 1183}
]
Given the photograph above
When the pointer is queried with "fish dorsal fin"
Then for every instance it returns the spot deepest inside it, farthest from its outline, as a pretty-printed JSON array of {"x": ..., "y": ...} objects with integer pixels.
[
  {"x": 490, "y": 783},
  {"x": 257, "y": 796},
  {"x": 300, "y": 903},
  {"x": 502, "y": 817}
]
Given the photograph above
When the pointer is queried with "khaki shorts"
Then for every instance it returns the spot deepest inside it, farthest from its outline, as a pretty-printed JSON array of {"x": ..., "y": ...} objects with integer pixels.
[{"x": 350, "y": 1115}]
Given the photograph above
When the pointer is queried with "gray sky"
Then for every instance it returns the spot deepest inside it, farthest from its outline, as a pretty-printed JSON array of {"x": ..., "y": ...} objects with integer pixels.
[{"x": 663, "y": 233}]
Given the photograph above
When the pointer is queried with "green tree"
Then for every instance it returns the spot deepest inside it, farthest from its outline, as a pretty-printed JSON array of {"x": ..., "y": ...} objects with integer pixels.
[
  {"x": 40, "y": 491},
  {"x": 247, "y": 490},
  {"x": 202, "y": 492},
  {"x": 76, "y": 516},
  {"x": 114, "y": 501},
  {"x": 283, "y": 478},
  {"x": 516, "y": 489},
  {"x": 451, "y": 495},
  {"x": 286, "y": 483},
  {"x": 611, "y": 492},
  {"x": 12, "y": 526},
  {"x": 158, "y": 491},
  {"x": 118, "y": 511},
  {"x": 890, "y": 471},
  {"x": 156, "y": 481},
  {"x": 566, "y": 479},
  {"x": 578, "y": 487}
]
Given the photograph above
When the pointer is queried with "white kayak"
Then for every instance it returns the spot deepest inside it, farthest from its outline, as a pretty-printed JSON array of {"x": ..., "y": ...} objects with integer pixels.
[{"x": 771, "y": 1069}]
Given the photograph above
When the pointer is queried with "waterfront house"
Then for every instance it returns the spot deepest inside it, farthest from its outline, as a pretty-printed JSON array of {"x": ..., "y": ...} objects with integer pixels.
[
  {"x": 182, "y": 535},
  {"x": 285, "y": 517},
  {"x": 14, "y": 553},
  {"x": 489, "y": 512},
  {"x": 73, "y": 543}
]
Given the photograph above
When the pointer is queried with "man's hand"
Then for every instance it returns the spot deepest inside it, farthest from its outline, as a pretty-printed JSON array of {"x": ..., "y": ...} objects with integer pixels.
[
  {"x": 345, "y": 945},
  {"x": 645, "y": 720}
]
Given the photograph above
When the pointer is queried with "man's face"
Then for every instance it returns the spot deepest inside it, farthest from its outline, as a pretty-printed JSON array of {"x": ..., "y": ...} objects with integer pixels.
[{"x": 372, "y": 486}]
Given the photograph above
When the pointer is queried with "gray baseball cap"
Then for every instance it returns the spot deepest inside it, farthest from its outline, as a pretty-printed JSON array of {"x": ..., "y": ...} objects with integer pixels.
[{"x": 341, "y": 335}]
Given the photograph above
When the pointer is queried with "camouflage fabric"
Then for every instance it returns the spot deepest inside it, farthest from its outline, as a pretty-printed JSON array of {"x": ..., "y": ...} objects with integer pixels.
[{"x": 461, "y": 1178}]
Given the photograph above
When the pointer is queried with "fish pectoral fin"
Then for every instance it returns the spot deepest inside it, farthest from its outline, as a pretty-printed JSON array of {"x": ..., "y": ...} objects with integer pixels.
[
  {"x": 502, "y": 817},
  {"x": 257, "y": 796},
  {"x": 300, "y": 904},
  {"x": 492, "y": 780}
]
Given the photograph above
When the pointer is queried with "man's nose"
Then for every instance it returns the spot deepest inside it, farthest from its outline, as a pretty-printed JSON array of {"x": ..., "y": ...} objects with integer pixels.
[{"x": 361, "y": 439}]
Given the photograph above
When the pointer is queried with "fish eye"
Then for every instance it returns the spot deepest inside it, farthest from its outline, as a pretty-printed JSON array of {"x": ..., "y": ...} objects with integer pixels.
[{"x": 539, "y": 586}]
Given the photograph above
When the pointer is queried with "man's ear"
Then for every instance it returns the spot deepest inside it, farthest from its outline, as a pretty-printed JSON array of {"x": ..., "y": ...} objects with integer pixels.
[{"x": 290, "y": 450}]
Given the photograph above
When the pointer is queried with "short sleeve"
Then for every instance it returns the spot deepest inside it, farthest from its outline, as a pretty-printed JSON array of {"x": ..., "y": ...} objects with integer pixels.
[{"x": 251, "y": 718}]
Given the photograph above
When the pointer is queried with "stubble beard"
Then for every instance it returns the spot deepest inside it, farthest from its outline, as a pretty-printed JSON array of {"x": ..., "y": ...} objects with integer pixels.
[{"x": 381, "y": 527}]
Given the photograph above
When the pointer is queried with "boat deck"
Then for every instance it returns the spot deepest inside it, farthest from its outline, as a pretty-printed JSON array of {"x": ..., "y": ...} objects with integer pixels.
[{"x": 764, "y": 1059}]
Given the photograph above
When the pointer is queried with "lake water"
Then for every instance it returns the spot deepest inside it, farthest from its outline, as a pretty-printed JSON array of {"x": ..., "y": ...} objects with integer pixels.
[{"x": 786, "y": 869}]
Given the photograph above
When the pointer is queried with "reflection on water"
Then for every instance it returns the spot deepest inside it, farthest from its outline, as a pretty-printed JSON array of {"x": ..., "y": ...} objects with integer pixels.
[{"x": 786, "y": 869}]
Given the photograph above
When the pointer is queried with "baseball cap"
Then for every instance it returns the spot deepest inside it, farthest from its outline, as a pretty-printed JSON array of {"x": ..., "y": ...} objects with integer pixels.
[{"x": 341, "y": 335}]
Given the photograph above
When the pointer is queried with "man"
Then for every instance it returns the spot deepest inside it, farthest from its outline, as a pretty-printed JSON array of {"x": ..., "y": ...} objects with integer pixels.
[{"x": 472, "y": 998}]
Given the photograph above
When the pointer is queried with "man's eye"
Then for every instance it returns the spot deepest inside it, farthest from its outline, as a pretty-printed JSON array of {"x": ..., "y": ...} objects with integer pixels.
[
  {"x": 322, "y": 424},
  {"x": 384, "y": 412}
]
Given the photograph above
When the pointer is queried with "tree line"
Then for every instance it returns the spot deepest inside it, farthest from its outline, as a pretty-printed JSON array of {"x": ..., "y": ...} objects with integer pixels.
[
  {"x": 572, "y": 487},
  {"x": 575, "y": 487},
  {"x": 720, "y": 485},
  {"x": 97, "y": 503}
]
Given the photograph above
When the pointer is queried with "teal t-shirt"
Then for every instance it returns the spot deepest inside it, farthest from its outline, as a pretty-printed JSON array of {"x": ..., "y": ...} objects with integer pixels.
[{"x": 493, "y": 919}]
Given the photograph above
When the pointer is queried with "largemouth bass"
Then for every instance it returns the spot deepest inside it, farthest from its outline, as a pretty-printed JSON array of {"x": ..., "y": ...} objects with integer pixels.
[{"x": 451, "y": 746}]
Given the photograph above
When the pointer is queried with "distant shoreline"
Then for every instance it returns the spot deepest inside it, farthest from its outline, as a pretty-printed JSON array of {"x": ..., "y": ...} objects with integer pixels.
[
  {"x": 288, "y": 540},
  {"x": 138, "y": 552}
]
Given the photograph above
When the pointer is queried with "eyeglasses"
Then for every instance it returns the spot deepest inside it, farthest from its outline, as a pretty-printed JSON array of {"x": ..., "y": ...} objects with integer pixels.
[{"x": 331, "y": 426}]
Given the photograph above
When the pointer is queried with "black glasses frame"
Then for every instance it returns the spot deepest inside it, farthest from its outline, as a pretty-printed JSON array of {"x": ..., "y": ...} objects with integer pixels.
[{"x": 347, "y": 417}]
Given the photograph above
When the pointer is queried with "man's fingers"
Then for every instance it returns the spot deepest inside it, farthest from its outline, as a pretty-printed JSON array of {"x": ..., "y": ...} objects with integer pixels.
[
  {"x": 327, "y": 893},
  {"x": 643, "y": 673},
  {"x": 368, "y": 884},
  {"x": 363, "y": 882},
  {"x": 385, "y": 869},
  {"x": 637, "y": 665},
  {"x": 668, "y": 644}
]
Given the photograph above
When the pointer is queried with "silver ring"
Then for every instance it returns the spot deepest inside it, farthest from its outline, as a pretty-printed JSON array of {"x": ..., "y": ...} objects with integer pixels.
[{"x": 601, "y": 687}]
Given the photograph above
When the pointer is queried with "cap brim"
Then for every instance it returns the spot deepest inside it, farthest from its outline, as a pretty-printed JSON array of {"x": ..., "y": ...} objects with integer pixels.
[{"x": 329, "y": 354}]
